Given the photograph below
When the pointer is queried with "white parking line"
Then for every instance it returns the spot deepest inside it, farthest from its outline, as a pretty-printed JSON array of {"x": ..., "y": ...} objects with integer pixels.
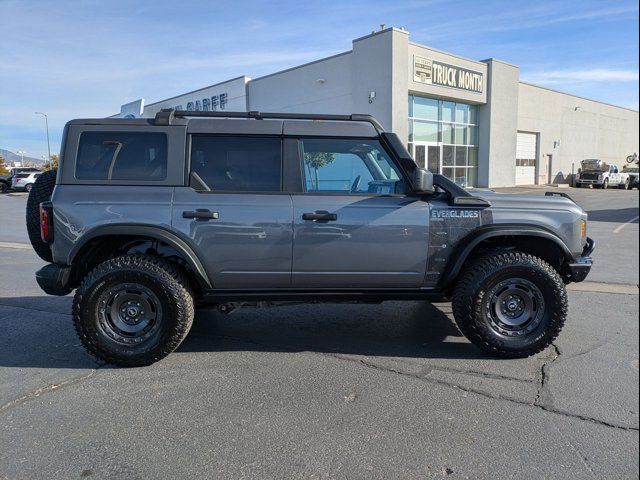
[
  {"x": 619, "y": 228},
  {"x": 601, "y": 287},
  {"x": 19, "y": 246}
]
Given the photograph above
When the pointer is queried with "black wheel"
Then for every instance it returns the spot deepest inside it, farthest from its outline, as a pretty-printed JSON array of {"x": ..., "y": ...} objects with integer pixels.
[
  {"x": 133, "y": 310},
  {"x": 40, "y": 191},
  {"x": 605, "y": 184},
  {"x": 4, "y": 187},
  {"x": 627, "y": 185},
  {"x": 578, "y": 185},
  {"x": 510, "y": 304}
]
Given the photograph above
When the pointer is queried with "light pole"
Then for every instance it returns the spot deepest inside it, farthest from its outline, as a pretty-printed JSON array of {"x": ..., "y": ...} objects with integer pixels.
[
  {"x": 46, "y": 122},
  {"x": 21, "y": 153}
]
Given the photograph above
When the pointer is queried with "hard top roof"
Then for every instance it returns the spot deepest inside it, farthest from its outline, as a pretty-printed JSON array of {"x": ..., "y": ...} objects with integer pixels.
[{"x": 258, "y": 123}]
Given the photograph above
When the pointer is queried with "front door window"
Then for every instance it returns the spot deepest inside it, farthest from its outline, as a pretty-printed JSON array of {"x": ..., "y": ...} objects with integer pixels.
[{"x": 348, "y": 166}]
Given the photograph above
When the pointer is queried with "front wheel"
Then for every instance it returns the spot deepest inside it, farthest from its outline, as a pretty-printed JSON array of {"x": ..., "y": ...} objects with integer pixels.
[
  {"x": 605, "y": 184},
  {"x": 133, "y": 310},
  {"x": 510, "y": 304}
]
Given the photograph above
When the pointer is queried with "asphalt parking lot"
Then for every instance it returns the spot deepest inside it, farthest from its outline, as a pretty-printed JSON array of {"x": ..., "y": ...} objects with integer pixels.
[{"x": 327, "y": 391}]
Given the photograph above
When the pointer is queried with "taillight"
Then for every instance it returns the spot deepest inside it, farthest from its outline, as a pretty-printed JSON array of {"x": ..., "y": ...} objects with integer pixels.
[{"x": 46, "y": 222}]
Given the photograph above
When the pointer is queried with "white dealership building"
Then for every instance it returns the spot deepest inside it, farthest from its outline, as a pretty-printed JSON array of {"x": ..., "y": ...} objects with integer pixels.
[{"x": 474, "y": 121}]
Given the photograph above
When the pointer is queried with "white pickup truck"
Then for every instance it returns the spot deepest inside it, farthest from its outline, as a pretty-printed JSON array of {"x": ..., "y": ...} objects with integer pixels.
[{"x": 601, "y": 175}]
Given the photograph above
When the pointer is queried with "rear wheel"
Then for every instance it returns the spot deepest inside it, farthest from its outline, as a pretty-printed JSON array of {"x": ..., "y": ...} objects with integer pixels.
[
  {"x": 4, "y": 187},
  {"x": 39, "y": 192},
  {"x": 133, "y": 310},
  {"x": 510, "y": 304}
]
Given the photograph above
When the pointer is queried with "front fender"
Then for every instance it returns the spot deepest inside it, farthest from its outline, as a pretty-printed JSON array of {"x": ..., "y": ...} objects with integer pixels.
[{"x": 468, "y": 243}]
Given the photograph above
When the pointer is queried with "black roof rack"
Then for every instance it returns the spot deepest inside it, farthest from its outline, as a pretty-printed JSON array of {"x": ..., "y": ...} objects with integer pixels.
[{"x": 166, "y": 115}]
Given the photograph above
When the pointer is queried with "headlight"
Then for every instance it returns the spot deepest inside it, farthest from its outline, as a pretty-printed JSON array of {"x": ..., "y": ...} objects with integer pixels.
[
  {"x": 600, "y": 177},
  {"x": 583, "y": 228}
]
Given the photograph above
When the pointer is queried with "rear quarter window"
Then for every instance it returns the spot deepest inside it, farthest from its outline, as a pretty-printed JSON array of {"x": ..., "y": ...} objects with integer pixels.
[{"x": 122, "y": 156}]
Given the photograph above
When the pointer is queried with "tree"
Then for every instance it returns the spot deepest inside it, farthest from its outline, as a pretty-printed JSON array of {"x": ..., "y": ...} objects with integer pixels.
[
  {"x": 317, "y": 160},
  {"x": 53, "y": 164},
  {"x": 3, "y": 167}
]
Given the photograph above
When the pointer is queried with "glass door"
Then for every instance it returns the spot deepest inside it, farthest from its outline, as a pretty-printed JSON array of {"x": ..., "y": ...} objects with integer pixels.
[{"x": 428, "y": 155}]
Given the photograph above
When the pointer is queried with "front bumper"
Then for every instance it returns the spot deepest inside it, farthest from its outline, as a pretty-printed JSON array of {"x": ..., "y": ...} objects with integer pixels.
[
  {"x": 581, "y": 265},
  {"x": 54, "y": 279},
  {"x": 589, "y": 182}
]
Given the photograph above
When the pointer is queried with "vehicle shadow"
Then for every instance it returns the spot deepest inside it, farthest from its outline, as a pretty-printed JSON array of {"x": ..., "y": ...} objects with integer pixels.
[
  {"x": 38, "y": 333},
  {"x": 394, "y": 329},
  {"x": 614, "y": 215}
]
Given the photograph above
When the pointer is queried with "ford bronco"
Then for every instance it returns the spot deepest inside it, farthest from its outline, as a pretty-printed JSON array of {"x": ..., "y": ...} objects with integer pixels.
[{"x": 150, "y": 219}]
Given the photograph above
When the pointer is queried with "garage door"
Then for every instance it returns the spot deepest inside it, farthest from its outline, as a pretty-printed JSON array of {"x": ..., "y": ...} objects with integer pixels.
[{"x": 526, "y": 150}]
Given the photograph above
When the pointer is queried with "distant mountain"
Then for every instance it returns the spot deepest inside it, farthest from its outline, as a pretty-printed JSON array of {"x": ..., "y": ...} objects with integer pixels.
[{"x": 10, "y": 157}]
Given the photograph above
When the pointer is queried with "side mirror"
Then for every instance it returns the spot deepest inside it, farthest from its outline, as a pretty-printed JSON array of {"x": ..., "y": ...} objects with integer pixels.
[{"x": 422, "y": 181}]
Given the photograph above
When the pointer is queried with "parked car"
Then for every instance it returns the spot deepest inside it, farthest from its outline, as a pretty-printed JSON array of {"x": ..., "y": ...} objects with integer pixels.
[
  {"x": 6, "y": 180},
  {"x": 24, "y": 181},
  {"x": 263, "y": 209},
  {"x": 634, "y": 174},
  {"x": 601, "y": 175}
]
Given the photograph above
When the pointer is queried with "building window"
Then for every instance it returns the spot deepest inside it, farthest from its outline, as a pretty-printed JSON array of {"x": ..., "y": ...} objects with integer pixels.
[{"x": 452, "y": 125}]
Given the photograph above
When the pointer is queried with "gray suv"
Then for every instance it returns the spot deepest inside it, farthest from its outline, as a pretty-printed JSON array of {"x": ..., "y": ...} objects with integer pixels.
[{"x": 149, "y": 219}]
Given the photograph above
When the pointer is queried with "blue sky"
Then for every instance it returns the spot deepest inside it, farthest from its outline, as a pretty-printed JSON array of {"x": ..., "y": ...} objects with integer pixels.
[{"x": 75, "y": 59}]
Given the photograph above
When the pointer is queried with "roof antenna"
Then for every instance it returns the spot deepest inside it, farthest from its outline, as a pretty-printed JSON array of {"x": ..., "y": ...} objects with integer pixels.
[{"x": 381, "y": 26}]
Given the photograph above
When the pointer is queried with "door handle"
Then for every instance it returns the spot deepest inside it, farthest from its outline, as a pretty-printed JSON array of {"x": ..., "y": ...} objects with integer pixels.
[
  {"x": 200, "y": 213},
  {"x": 321, "y": 215}
]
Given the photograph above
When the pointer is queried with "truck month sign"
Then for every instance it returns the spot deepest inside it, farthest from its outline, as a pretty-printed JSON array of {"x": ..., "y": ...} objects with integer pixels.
[{"x": 426, "y": 70}]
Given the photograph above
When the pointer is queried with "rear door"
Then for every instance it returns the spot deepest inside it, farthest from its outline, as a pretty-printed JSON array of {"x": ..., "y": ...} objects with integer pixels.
[
  {"x": 235, "y": 212},
  {"x": 353, "y": 224}
]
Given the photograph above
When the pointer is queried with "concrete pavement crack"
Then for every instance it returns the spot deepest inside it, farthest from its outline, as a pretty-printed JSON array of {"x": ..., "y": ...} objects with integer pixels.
[
  {"x": 423, "y": 378},
  {"x": 495, "y": 397},
  {"x": 52, "y": 387},
  {"x": 543, "y": 395}
]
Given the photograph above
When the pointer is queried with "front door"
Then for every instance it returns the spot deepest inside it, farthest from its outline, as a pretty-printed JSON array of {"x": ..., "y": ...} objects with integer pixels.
[
  {"x": 235, "y": 213},
  {"x": 428, "y": 155},
  {"x": 353, "y": 225}
]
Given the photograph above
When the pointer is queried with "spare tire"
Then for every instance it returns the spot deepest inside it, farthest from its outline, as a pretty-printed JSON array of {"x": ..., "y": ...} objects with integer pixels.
[{"x": 40, "y": 192}]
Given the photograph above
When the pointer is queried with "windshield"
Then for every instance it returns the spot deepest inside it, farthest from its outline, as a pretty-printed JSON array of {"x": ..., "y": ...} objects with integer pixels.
[{"x": 592, "y": 164}]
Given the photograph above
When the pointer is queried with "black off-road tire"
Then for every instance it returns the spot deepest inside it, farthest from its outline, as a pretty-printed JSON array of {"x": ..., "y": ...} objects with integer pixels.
[
  {"x": 471, "y": 297},
  {"x": 163, "y": 279},
  {"x": 40, "y": 192}
]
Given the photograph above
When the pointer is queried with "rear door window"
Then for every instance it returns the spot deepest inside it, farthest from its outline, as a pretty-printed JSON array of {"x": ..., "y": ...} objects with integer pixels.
[
  {"x": 122, "y": 156},
  {"x": 236, "y": 164}
]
